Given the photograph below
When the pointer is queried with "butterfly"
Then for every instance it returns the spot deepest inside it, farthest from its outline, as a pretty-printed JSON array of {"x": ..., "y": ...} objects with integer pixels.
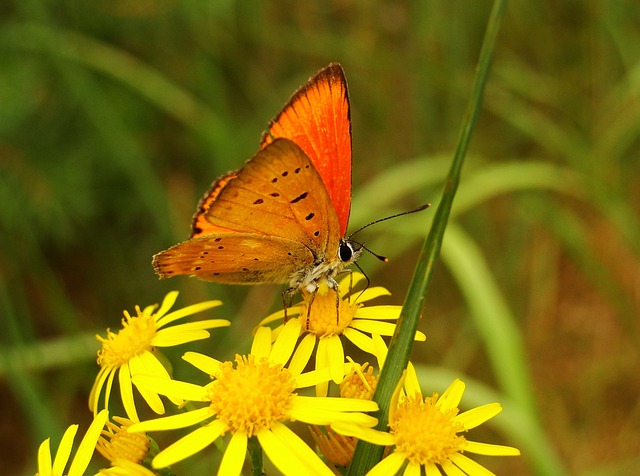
[{"x": 283, "y": 217}]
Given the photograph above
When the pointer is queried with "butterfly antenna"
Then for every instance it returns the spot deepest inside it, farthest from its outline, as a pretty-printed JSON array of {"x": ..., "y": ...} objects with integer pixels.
[
  {"x": 384, "y": 259},
  {"x": 409, "y": 212}
]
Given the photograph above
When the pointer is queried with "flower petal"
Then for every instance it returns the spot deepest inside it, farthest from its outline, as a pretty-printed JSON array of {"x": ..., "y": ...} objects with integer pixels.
[
  {"x": 207, "y": 364},
  {"x": 147, "y": 364},
  {"x": 451, "y": 469},
  {"x": 389, "y": 465},
  {"x": 374, "y": 327},
  {"x": 261, "y": 346},
  {"x": 335, "y": 357},
  {"x": 314, "y": 377},
  {"x": 412, "y": 469},
  {"x": 167, "y": 303},
  {"x": 88, "y": 445},
  {"x": 189, "y": 445},
  {"x": 411, "y": 383},
  {"x": 302, "y": 354},
  {"x": 182, "y": 420},
  {"x": 44, "y": 457},
  {"x": 171, "y": 388},
  {"x": 285, "y": 343},
  {"x": 281, "y": 451},
  {"x": 389, "y": 312},
  {"x": 451, "y": 396},
  {"x": 64, "y": 450},
  {"x": 185, "y": 311},
  {"x": 349, "y": 282},
  {"x": 371, "y": 435},
  {"x": 478, "y": 415},
  {"x": 172, "y": 336},
  {"x": 234, "y": 455},
  {"x": 372, "y": 293},
  {"x": 360, "y": 340},
  {"x": 431, "y": 469},
  {"x": 126, "y": 392},
  {"x": 490, "y": 450},
  {"x": 96, "y": 390},
  {"x": 468, "y": 466}
]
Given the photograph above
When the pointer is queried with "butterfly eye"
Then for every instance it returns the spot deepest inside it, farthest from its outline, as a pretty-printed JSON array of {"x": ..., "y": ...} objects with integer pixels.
[{"x": 345, "y": 251}]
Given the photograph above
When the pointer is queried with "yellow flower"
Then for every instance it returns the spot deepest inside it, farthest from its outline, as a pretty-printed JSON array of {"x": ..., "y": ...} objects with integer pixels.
[
  {"x": 338, "y": 449},
  {"x": 427, "y": 432},
  {"x": 133, "y": 350},
  {"x": 354, "y": 321},
  {"x": 254, "y": 398},
  {"x": 83, "y": 455},
  {"x": 125, "y": 451}
]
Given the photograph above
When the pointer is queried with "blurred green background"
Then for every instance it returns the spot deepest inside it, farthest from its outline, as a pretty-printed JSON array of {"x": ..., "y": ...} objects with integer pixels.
[{"x": 116, "y": 115}]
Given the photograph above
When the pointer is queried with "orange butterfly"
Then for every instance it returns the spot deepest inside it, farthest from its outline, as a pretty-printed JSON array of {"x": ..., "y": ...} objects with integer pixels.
[{"x": 283, "y": 217}]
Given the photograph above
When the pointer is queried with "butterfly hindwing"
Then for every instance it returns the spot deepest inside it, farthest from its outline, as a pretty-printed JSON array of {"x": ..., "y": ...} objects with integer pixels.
[
  {"x": 269, "y": 220},
  {"x": 236, "y": 258}
]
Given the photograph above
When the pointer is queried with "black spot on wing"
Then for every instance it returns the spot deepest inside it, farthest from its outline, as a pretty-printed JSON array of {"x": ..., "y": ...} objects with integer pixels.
[{"x": 302, "y": 196}]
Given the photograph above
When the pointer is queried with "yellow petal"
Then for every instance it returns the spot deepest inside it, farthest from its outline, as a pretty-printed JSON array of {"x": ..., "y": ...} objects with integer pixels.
[
  {"x": 88, "y": 444},
  {"x": 477, "y": 416},
  {"x": 374, "y": 327},
  {"x": 412, "y": 469},
  {"x": 207, "y": 364},
  {"x": 126, "y": 392},
  {"x": 389, "y": 312},
  {"x": 411, "y": 383},
  {"x": 371, "y": 435},
  {"x": 451, "y": 396},
  {"x": 64, "y": 450},
  {"x": 172, "y": 388},
  {"x": 451, "y": 469},
  {"x": 188, "y": 445},
  {"x": 335, "y": 357},
  {"x": 173, "y": 422},
  {"x": 389, "y": 465},
  {"x": 360, "y": 340},
  {"x": 314, "y": 377},
  {"x": 278, "y": 449},
  {"x": 468, "y": 466},
  {"x": 234, "y": 455},
  {"x": 261, "y": 346},
  {"x": 432, "y": 470},
  {"x": 167, "y": 303},
  {"x": 371, "y": 293},
  {"x": 94, "y": 396},
  {"x": 490, "y": 450},
  {"x": 44, "y": 457},
  {"x": 147, "y": 364},
  {"x": 302, "y": 354},
  {"x": 286, "y": 342},
  {"x": 186, "y": 311}
]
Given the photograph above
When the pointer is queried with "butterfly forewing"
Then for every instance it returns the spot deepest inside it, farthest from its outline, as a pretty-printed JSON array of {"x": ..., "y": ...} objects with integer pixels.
[
  {"x": 317, "y": 118},
  {"x": 270, "y": 220}
]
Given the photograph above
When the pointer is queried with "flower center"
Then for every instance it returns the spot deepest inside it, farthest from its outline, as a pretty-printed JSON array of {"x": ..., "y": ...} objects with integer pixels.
[
  {"x": 134, "y": 338},
  {"x": 118, "y": 444},
  {"x": 252, "y": 396},
  {"x": 330, "y": 314},
  {"x": 424, "y": 433},
  {"x": 359, "y": 384}
]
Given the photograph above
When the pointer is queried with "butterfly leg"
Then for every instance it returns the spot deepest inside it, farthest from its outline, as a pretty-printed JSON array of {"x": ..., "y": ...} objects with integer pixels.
[{"x": 286, "y": 305}]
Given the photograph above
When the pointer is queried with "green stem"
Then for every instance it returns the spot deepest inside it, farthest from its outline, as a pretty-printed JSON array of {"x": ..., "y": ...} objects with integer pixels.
[
  {"x": 255, "y": 452},
  {"x": 367, "y": 455}
]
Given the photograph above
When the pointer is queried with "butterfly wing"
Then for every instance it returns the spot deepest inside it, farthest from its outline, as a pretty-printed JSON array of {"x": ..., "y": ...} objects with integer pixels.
[
  {"x": 317, "y": 118},
  {"x": 268, "y": 221}
]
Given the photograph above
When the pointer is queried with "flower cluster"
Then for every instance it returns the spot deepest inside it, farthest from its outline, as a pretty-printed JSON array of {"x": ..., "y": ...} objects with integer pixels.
[{"x": 297, "y": 370}]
